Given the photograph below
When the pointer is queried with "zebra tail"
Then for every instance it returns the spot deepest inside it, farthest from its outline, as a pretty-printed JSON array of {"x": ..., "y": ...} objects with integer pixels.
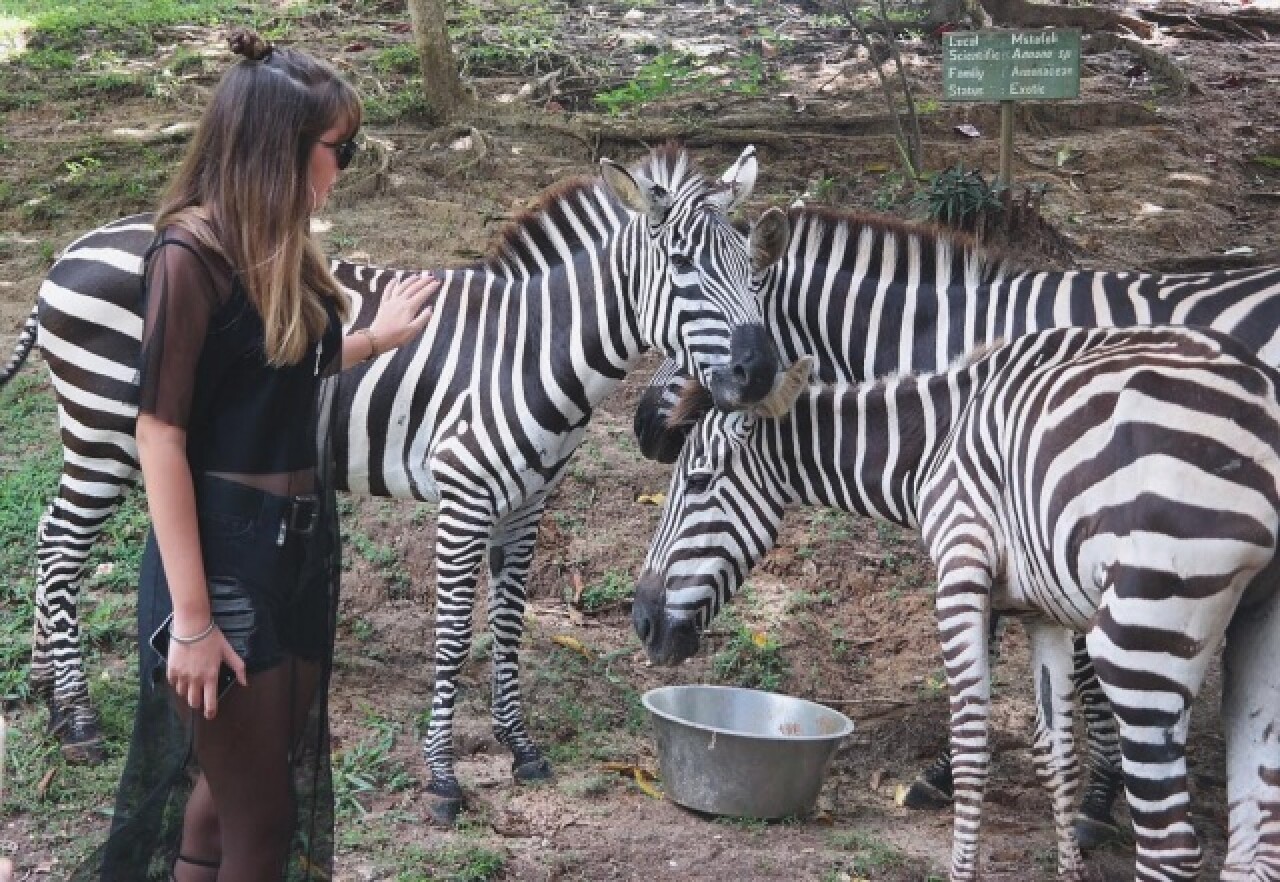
[{"x": 26, "y": 342}]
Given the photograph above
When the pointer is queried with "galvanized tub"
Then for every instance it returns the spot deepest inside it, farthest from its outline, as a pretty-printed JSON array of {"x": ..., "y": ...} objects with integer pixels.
[{"x": 743, "y": 752}]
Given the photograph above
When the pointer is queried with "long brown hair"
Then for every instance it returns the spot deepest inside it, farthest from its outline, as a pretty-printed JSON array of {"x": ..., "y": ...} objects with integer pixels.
[{"x": 242, "y": 189}]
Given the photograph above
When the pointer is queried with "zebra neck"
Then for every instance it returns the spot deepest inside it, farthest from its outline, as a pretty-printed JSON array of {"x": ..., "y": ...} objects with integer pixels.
[{"x": 867, "y": 448}]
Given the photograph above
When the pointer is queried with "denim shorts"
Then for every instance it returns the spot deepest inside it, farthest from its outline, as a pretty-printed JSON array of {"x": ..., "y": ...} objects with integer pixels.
[{"x": 265, "y": 599}]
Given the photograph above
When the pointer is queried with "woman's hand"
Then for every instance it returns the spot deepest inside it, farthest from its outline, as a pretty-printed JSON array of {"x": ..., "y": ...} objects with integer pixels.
[
  {"x": 404, "y": 310},
  {"x": 193, "y": 670}
]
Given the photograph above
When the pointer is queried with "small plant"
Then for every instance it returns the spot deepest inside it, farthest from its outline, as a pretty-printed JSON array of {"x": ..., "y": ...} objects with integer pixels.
[
  {"x": 611, "y": 589},
  {"x": 869, "y": 853},
  {"x": 397, "y": 59},
  {"x": 367, "y": 768},
  {"x": 959, "y": 198},
  {"x": 752, "y": 659},
  {"x": 667, "y": 74}
]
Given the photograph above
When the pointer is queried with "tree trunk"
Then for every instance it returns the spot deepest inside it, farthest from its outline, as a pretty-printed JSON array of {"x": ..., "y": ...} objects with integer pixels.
[{"x": 441, "y": 86}]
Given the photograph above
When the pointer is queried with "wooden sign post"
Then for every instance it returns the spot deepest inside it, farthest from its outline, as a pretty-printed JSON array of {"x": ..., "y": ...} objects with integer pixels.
[{"x": 1009, "y": 66}]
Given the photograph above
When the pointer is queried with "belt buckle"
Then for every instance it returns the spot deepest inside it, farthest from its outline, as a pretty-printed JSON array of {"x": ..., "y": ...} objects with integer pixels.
[{"x": 304, "y": 512}]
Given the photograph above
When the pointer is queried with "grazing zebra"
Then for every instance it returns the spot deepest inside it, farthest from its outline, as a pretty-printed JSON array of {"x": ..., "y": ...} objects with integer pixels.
[
  {"x": 480, "y": 414},
  {"x": 869, "y": 296},
  {"x": 1121, "y": 483}
]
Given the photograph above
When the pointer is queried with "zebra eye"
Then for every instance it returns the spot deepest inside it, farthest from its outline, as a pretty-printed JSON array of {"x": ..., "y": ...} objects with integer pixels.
[
  {"x": 682, "y": 263},
  {"x": 698, "y": 483}
]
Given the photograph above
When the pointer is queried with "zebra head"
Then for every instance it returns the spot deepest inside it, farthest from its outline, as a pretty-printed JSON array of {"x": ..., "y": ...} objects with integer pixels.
[
  {"x": 697, "y": 276},
  {"x": 722, "y": 514}
]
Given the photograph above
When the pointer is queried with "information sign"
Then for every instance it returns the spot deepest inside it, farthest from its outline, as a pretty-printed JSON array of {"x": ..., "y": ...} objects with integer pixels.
[{"x": 1037, "y": 65}]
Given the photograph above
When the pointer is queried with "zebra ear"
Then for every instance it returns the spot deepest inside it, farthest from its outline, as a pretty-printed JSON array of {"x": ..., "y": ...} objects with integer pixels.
[
  {"x": 786, "y": 389},
  {"x": 737, "y": 182},
  {"x": 636, "y": 192},
  {"x": 768, "y": 241}
]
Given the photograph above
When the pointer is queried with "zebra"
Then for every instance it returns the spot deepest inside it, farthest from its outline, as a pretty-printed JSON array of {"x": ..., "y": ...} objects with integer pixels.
[
  {"x": 1121, "y": 483},
  {"x": 480, "y": 414},
  {"x": 871, "y": 296}
]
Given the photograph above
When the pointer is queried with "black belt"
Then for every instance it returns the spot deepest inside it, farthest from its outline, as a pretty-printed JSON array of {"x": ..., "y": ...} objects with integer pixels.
[{"x": 297, "y": 514}]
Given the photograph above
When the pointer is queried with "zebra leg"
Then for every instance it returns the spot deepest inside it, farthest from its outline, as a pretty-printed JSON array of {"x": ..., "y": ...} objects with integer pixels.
[
  {"x": 1251, "y": 721},
  {"x": 66, "y": 535},
  {"x": 458, "y": 555},
  {"x": 1095, "y": 824},
  {"x": 962, "y": 609},
  {"x": 1151, "y": 674},
  {"x": 932, "y": 787},
  {"x": 510, "y": 556},
  {"x": 1054, "y": 746}
]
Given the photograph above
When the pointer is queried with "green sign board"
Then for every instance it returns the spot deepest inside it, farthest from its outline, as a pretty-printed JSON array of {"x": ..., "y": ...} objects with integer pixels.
[{"x": 1011, "y": 65}]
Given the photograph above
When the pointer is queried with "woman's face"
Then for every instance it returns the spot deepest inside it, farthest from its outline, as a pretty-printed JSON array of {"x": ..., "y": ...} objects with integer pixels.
[{"x": 322, "y": 169}]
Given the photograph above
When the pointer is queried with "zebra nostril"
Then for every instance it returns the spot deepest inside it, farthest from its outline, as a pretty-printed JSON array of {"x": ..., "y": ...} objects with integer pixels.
[
  {"x": 644, "y": 627},
  {"x": 740, "y": 373}
]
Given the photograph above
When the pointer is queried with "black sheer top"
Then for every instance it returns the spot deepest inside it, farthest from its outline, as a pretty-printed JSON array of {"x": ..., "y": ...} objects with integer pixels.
[{"x": 204, "y": 369}]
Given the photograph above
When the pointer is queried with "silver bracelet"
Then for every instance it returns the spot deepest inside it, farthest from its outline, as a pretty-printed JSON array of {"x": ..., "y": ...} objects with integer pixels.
[{"x": 194, "y": 638}]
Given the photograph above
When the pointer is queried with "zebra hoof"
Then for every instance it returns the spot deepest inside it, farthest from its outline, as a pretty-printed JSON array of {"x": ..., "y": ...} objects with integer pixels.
[
  {"x": 80, "y": 741},
  {"x": 443, "y": 810},
  {"x": 537, "y": 769},
  {"x": 1094, "y": 833},
  {"x": 922, "y": 795}
]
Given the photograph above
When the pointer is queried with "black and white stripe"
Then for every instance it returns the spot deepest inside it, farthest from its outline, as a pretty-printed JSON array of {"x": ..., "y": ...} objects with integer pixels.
[
  {"x": 480, "y": 413},
  {"x": 1120, "y": 483}
]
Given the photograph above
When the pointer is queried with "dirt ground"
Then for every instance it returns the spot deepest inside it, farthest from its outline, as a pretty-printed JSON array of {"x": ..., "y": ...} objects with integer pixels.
[{"x": 1137, "y": 177}]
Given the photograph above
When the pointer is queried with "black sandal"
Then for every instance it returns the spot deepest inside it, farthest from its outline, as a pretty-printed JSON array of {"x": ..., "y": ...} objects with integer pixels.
[{"x": 195, "y": 862}]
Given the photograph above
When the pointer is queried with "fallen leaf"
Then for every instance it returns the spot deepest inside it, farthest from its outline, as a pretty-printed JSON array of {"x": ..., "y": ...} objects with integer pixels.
[
  {"x": 876, "y": 168},
  {"x": 355, "y": 47},
  {"x": 969, "y": 131},
  {"x": 573, "y": 644},
  {"x": 760, "y": 639},
  {"x": 1067, "y": 154},
  {"x": 578, "y": 587},
  {"x": 643, "y": 777},
  {"x": 651, "y": 498}
]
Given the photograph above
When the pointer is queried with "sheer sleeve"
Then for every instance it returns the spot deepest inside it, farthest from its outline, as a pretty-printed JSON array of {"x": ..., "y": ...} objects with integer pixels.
[{"x": 182, "y": 295}]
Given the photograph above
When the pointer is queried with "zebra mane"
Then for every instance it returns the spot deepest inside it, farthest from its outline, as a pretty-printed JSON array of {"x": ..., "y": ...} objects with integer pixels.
[
  {"x": 669, "y": 166},
  {"x": 936, "y": 244},
  {"x": 976, "y": 354}
]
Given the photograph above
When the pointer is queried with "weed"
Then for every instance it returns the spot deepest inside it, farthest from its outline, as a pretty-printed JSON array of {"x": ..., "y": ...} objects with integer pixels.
[
  {"x": 397, "y": 59},
  {"x": 667, "y": 74},
  {"x": 591, "y": 785},
  {"x": 461, "y": 862},
  {"x": 959, "y": 198},
  {"x": 751, "y": 659},
  {"x": 389, "y": 106},
  {"x": 367, "y": 767},
  {"x": 611, "y": 589},
  {"x": 889, "y": 191},
  {"x": 869, "y": 853}
]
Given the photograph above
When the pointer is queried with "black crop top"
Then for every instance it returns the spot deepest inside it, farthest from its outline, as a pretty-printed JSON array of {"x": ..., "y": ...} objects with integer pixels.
[{"x": 203, "y": 368}]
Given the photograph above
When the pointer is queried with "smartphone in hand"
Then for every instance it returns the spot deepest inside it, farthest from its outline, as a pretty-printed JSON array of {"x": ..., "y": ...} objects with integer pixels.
[{"x": 160, "y": 643}]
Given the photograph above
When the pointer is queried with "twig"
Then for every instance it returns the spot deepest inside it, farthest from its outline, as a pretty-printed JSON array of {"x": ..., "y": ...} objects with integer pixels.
[
  {"x": 913, "y": 145},
  {"x": 865, "y": 41}
]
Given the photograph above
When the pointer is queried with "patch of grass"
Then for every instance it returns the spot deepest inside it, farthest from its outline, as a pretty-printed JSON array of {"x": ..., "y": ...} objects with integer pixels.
[
  {"x": 667, "y": 74},
  {"x": 387, "y": 560},
  {"x": 404, "y": 102},
  {"x": 751, "y": 659},
  {"x": 63, "y": 24},
  {"x": 870, "y": 855},
  {"x": 611, "y": 589},
  {"x": 29, "y": 466},
  {"x": 397, "y": 59},
  {"x": 367, "y": 768},
  {"x": 460, "y": 862}
]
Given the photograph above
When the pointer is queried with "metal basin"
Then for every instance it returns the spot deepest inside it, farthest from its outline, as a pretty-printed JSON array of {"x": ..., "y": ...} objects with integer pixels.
[{"x": 743, "y": 752}]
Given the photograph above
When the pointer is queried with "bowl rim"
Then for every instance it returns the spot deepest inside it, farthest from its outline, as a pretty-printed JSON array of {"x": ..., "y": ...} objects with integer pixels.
[{"x": 846, "y": 731}]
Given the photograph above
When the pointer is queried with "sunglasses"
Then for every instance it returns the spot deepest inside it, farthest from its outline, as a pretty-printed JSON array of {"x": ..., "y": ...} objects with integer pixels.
[{"x": 345, "y": 151}]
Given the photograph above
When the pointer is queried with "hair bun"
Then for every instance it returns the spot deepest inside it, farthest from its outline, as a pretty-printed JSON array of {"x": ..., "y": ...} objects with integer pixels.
[{"x": 248, "y": 44}]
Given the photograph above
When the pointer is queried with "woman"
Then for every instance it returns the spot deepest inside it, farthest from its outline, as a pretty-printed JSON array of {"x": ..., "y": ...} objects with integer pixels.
[{"x": 242, "y": 321}]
